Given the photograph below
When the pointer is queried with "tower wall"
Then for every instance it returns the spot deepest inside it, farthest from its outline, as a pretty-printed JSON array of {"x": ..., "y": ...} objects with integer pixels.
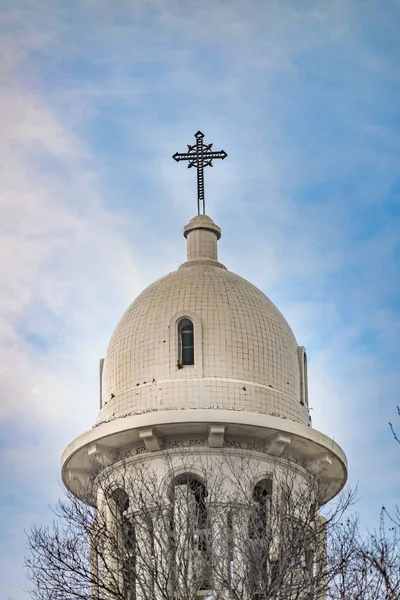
[{"x": 196, "y": 513}]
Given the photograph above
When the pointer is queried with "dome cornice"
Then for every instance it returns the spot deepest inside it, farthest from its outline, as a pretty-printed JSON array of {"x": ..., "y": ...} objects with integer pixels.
[{"x": 152, "y": 432}]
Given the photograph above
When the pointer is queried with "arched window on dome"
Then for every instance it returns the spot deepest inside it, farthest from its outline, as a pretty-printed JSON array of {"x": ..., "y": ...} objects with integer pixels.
[
  {"x": 260, "y": 509},
  {"x": 186, "y": 342}
]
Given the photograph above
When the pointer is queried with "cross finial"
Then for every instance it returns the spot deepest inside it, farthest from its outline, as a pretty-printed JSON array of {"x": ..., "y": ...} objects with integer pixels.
[{"x": 200, "y": 155}]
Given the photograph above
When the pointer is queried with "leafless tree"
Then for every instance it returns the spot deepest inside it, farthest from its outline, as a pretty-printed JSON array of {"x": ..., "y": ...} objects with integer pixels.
[
  {"x": 203, "y": 533},
  {"x": 368, "y": 564},
  {"x": 393, "y": 428}
]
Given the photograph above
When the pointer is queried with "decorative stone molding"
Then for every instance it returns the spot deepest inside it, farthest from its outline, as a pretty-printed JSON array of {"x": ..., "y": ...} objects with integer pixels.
[
  {"x": 294, "y": 459},
  {"x": 151, "y": 439},
  {"x": 318, "y": 463},
  {"x": 278, "y": 443},
  {"x": 216, "y": 436},
  {"x": 195, "y": 407},
  {"x": 187, "y": 430},
  {"x": 78, "y": 475},
  {"x": 134, "y": 451},
  {"x": 184, "y": 443},
  {"x": 100, "y": 456},
  {"x": 242, "y": 445}
]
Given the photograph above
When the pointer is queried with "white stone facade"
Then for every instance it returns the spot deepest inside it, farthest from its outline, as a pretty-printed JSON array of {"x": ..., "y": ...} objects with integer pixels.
[
  {"x": 241, "y": 394},
  {"x": 248, "y": 376}
]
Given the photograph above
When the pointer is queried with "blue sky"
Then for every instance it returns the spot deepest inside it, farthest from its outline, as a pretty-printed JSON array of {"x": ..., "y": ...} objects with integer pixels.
[{"x": 96, "y": 96}]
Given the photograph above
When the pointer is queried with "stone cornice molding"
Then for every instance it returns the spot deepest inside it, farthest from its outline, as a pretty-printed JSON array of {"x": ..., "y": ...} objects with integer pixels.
[{"x": 213, "y": 429}]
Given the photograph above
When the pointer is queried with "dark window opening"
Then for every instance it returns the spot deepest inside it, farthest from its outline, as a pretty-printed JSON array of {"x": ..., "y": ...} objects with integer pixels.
[
  {"x": 129, "y": 559},
  {"x": 126, "y": 542},
  {"x": 230, "y": 540},
  {"x": 121, "y": 500},
  {"x": 260, "y": 508},
  {"x": 186, "y": 342},
  {"x": 193, "y": 502},
  {"x": 190, "y": 522}
]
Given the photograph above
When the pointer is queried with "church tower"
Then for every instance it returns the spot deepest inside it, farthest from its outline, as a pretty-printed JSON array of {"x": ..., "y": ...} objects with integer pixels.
[{"x": 204, "y": 396}]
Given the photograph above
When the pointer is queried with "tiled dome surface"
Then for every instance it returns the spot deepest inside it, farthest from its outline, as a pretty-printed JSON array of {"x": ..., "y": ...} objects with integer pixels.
[{"x": 245, "y": 352}]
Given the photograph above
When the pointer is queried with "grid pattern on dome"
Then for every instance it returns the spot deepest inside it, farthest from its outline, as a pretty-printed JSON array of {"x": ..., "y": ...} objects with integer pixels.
[{"x": 246, "y": 358}]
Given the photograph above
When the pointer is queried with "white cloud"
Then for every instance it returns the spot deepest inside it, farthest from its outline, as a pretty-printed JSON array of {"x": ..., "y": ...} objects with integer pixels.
[{"x": 59, "y": 249}]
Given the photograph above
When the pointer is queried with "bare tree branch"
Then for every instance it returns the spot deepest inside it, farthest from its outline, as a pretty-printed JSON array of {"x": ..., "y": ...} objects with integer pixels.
[{"x": 195, "y": 534}]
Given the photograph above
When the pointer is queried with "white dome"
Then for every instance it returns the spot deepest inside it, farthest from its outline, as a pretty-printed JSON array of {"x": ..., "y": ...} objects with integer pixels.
[{"x": 245, "y": 354}]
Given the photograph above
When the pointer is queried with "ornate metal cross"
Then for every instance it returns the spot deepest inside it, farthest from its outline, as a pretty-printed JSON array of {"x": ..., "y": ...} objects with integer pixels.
[{"x": 200, "y": 155}]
